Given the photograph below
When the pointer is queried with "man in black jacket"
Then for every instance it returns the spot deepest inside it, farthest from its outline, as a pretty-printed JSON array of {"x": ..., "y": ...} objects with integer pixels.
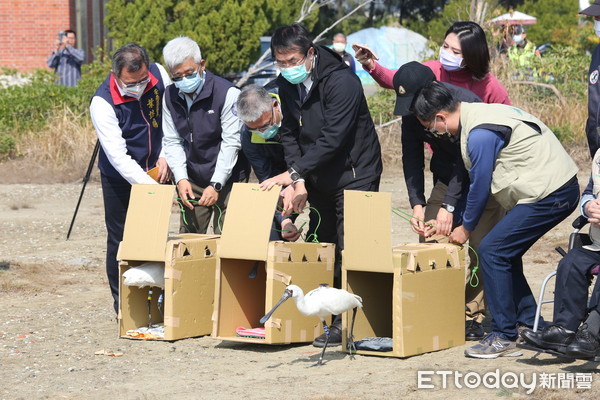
[{"x": 328, "y": 137}]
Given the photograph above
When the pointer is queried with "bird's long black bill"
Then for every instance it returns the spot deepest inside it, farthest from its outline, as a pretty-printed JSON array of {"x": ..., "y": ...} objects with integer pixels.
[{"x": 286, "y": 295}]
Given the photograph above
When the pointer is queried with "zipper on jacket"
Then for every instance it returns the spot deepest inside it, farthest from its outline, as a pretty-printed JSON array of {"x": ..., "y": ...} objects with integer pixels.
[
  {"x": 149, "y": 134},
  {"x": 187, "y": 119}
]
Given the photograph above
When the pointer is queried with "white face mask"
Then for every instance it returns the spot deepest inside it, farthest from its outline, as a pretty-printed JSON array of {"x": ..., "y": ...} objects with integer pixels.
[
  {"x": 518, "y": 38},
  {"x": 449, "y": 61},
  {"x": 597, "y": 27},
  {"x": 339, "y": 47}
]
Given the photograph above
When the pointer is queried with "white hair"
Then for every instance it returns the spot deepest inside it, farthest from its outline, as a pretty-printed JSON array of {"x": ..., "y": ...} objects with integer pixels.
[
  {"x": 252, "y": 102},
  {"x": 180, "y": 49}
]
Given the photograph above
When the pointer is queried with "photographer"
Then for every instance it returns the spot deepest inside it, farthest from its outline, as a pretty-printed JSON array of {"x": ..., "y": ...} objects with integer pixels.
[{"x": 66, "y": 59}]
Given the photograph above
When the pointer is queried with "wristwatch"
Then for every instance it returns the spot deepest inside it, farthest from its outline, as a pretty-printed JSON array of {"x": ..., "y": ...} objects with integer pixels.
[
  {"x": 448, "y": 207},
  {"x": 217, "y": 186},
  {"x": 295, "y": 176}
]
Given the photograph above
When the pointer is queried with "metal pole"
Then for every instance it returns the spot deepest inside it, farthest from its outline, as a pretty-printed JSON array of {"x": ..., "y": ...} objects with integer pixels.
[{"x": 86, "y": 178}]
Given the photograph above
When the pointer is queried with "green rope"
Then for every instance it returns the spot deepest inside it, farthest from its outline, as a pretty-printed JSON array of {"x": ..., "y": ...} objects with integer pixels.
[
  {"x": 313, "y": 236},
  {"x": 475, "y": 268},
  {"x": 408, "y": 217},
  {"x": 181, "y": 207}
]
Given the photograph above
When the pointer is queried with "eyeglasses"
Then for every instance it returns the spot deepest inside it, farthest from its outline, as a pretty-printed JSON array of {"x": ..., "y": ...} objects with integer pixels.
[
  {"x": 291, "y": 63},
  {"x": 135, "y": 84},
  {"x": 268, "y": 124},
  {"x": 188, "y": 76}
]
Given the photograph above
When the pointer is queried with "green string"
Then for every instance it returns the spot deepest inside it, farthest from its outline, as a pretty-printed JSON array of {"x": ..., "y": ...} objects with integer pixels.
[
  {"x": 313, "y": 236},
  {"x": 181, "y": 207},
  {"x": 475, "y": 268},
  {"x": 287, "y": 230},
  {"x": 408, "y": 217}
]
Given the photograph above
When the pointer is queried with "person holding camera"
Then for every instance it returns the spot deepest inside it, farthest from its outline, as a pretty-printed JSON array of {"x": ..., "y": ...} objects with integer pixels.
[{"x": 66, "y": 59}]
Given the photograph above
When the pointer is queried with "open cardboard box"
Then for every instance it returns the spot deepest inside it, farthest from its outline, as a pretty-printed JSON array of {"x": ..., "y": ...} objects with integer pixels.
[
  {"x": 413, "y": 293},
  {"x": 244, "y": 251},
  {"x": 190, "y": 264}
]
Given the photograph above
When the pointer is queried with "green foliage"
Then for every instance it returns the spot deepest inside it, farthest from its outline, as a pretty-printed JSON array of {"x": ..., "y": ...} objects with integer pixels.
[
  {"x": 27, "y": 108},
  {"x": 227, "y": 31},
  {"x": 556, "y": 21},
  {"x": 381, "y": 106}
]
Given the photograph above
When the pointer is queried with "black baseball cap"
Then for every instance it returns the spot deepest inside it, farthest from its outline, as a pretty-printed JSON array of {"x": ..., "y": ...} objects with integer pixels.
[
  {"x": 408, "y": 80},
  {"x": 593, "y": 10}
]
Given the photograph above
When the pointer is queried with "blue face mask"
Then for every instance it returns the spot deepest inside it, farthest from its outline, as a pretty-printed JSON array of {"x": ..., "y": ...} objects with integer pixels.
[
  {"x": 269, "y": 132},
  {"x": 190, "y": 83},
  {"x": 295, "y": 75}
]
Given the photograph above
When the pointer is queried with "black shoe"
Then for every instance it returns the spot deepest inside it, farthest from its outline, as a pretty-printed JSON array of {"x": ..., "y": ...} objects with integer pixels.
[
  {"x": 335, "y": 337},
  {"x": 553, "y": 337},
  {"x": 474, "y": 330},
  {"x": 586, "y": 344}
]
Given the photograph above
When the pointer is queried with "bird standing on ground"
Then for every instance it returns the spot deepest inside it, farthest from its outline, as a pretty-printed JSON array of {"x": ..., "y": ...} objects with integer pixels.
[{"x": 323, "y": 302}]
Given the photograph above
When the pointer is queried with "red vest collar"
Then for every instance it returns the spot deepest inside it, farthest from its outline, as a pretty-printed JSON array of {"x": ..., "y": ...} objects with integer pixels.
[{"x": 115, "y": 94}]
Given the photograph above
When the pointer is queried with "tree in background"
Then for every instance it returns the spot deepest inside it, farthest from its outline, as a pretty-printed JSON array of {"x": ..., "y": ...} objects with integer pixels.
[
  {"x": 227, "y": 31},
  {"x": 556, "y": 21}
]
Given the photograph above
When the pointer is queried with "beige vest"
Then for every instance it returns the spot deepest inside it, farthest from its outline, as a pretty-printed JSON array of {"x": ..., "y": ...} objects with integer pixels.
[{"x": 531, "y": 166}]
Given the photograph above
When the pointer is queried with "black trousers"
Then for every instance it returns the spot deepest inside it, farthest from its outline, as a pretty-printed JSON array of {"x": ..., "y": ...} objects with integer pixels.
[
  {"x": 327, "y": 222},
  {"x": 116, "y": 194},
  {"x": 573, "y": 280}
]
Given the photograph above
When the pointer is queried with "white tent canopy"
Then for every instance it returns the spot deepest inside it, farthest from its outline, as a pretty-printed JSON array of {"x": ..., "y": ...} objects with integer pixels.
[{"x": 514, "y": 18}]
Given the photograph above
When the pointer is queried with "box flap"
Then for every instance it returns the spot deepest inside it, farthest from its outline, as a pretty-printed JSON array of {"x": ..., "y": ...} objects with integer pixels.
[
  {"x": 147, "y": 223},
  {"x": 367, "y": 231},
  {"x": 247, "y": 226}
]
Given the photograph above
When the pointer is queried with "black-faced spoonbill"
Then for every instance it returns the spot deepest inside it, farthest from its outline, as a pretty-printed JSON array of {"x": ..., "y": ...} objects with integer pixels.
[{"x": 323, "y": 302}]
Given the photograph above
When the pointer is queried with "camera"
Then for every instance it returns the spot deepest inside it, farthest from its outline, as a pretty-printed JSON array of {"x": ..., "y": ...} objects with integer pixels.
[{"x": 61, "y": 35}]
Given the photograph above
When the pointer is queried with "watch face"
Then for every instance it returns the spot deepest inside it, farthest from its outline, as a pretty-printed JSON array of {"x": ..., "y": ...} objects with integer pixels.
[
  {"x": 217, "y": 186},
  {"x": 295, "y": 176}
]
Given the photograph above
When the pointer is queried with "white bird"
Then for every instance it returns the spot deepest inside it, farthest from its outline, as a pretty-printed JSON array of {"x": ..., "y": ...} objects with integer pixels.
[{"x": 323, "y": 302}]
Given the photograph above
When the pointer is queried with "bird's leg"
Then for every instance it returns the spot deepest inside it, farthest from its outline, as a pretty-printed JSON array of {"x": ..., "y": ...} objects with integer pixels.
[
  {"x": 326, "y": 329},
  {"x": 350, "y": 345}
]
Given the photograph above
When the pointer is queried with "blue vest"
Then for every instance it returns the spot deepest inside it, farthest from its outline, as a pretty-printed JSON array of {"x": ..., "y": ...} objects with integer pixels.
[
  {"x": 140, "y": 121},
  {"x": 201, "y": 129}
]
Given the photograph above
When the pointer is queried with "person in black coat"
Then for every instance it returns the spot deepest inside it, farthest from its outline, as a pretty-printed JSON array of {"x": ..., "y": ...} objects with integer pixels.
[{"x": 328, "y": 137}]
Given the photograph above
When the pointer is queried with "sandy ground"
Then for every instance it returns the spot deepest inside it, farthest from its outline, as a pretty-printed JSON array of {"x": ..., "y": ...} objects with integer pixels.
[{"x": 56, "y": 313}]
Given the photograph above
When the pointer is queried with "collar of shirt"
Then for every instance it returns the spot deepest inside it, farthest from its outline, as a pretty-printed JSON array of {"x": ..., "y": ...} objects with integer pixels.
[{"x": 190, "y": 99}]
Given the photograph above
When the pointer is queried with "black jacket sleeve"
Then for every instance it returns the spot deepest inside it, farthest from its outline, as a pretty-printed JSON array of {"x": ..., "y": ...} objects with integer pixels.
[
  {"x": 340, "y": 101},
  {"x": 413, "y": 159}
]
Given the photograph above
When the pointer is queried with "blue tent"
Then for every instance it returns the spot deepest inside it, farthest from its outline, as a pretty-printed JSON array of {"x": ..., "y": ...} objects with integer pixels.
[{"x": 393, "y": 46}]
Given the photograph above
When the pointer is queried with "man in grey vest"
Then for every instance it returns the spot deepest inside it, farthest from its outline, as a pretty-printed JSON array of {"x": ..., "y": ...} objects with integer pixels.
[
  {"x": 513, "y": 156},
  {"x": 201, "y": 136}
]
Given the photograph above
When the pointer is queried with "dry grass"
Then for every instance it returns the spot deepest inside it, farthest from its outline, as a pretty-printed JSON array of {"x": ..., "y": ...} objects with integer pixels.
[
  {"x": 60, "y": 153},
  {"x": 565, "y": 114}
]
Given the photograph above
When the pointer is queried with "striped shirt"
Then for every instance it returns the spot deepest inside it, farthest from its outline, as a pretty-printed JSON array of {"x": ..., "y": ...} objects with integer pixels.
[{"x": 67, "y": 64}]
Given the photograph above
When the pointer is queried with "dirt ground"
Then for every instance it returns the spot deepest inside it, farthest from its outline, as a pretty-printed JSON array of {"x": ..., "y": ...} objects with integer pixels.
[{"x": 56, "y": 313}]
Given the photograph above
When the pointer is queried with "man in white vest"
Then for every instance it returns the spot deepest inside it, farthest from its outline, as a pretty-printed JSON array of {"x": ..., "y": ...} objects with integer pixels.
[{"x": 514, "y": 157}]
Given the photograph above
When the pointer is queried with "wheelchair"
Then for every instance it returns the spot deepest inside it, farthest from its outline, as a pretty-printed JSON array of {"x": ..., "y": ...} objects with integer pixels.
[{"x": 576, "y": 240}]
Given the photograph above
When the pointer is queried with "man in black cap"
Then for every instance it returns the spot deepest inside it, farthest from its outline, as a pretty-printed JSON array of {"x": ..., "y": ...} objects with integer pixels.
[
  {"x": 443, "y": 205},
  {"x": 593, "y": 121}
]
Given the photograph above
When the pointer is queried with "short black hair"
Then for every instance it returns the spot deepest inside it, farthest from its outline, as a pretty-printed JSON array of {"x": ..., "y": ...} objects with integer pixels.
[
  {"x": 70, "y": 31},
  {"x": 432, "y": 99},
  {"x": 133, "y": 56},
  {"x": 288, "y": 38},
  {"x": 473, "y": 45}
]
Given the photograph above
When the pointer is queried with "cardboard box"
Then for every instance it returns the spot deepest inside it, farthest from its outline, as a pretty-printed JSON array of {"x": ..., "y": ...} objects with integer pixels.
[
  {"x": 413, "y": 293},
  {"x": 244, "y": 249},
  {"x": 190, "y": 264}
]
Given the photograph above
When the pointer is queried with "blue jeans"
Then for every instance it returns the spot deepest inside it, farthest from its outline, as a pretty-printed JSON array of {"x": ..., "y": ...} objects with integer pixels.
[{"x": 507, "y": 292}]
